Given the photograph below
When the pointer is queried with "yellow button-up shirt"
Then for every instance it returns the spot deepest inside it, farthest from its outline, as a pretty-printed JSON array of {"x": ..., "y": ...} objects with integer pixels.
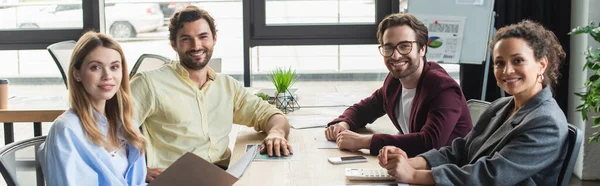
[{"x": 178, "y": 117}]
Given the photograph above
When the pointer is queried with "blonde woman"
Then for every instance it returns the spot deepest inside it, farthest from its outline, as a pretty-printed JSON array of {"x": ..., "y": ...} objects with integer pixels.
[{"x": 95, "y": 142}]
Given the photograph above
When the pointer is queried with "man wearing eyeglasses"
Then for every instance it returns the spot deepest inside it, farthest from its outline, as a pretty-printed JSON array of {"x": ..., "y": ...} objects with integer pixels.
[{"x": 425, "y": 104}]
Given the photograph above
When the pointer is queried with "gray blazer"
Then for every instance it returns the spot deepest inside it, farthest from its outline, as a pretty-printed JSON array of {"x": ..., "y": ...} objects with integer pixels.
[{"x": 525, "y": 149}]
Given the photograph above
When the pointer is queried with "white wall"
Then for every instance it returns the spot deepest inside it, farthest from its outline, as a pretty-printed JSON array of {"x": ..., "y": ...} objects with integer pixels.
[
  {"x": 588, "y": 163},
  {"x": 591, "y": 152}
]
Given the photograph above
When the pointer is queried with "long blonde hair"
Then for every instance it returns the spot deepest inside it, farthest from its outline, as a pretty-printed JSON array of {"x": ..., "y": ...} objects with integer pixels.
[{"x": 118, "y": 109}]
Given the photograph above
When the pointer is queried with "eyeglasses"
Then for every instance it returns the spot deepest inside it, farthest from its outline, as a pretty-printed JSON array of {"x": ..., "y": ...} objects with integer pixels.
[{"x": 403, "y": 48}]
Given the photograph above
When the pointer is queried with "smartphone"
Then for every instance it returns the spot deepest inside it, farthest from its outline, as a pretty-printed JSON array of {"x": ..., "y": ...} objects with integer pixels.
[{"x": 347, "y": 159}]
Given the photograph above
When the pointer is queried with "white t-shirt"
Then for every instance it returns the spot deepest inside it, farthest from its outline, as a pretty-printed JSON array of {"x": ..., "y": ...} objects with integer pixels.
[
  {"x": 119, "y": 160},
  {"x": 404, "y": 107}
]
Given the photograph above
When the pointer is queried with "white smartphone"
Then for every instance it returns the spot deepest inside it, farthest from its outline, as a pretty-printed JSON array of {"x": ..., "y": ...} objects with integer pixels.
[{"x": 347, "y": 159}]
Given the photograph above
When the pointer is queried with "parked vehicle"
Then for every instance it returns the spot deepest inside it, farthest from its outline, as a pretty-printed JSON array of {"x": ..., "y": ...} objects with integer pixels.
[
  {"x": 169, "y": 8},
  {"x": 123, "y": 20}
]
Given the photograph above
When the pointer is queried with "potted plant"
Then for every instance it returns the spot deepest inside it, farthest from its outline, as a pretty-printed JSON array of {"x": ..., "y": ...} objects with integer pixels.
[
  {"x": 264, "y": 97},
  {"x": 283, "y": 79},
  {"x": 591, "y": 97}
]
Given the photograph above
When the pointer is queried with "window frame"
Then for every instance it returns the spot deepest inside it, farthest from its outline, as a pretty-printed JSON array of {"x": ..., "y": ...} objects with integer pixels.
[
  {"x": 15, "y": 39},
  {"x": 258, "y": 33},
  {"x": 265, "y": 35}
]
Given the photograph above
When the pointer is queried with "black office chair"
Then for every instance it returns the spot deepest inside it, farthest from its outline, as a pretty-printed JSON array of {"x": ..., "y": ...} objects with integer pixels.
[
  {"x": 148, "y": 62},
  {"x": 574, "y": 139},
  {"x": 61, "y": 53},
  {"x": 476, "y": 108},
  {"x": 19, "y": 163}
]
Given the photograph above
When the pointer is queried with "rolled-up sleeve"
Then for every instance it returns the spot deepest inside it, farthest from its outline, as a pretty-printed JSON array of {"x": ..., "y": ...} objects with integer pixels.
[{"x": 250, "y": 110}]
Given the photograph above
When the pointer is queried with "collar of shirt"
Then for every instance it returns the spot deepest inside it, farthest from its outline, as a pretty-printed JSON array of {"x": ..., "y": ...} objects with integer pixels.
[
  {"x": 183, "y": 72},
  {"x": 102, "y": 122}
]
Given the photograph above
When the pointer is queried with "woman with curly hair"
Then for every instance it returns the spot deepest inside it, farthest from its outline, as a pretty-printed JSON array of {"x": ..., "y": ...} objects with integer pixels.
[{"x": 518, "y": 140}]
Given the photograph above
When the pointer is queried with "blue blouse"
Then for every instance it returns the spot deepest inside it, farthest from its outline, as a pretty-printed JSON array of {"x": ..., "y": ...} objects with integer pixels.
[{"x": 68, "y": 157}]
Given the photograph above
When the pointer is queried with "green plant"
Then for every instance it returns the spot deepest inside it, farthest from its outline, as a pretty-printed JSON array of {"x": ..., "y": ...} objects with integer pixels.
[
  {"x": 283, "y": 78},
  {"x": 591, "y": 97},
  {"x": 262, "y": 96}
]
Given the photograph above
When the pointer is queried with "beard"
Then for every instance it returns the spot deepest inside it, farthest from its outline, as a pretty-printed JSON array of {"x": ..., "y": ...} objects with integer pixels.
[
  {"x": 411, "y": 67},
  {"x": 189, "y": 62}
]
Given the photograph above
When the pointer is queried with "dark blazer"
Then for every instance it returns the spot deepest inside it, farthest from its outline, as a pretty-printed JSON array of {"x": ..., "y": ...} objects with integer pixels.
[
  {"x": 524, "y": 149},
  {"x": 439, "y": 112}
]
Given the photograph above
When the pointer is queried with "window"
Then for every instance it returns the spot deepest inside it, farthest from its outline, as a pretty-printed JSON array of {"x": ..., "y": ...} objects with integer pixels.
[
  {"x": 295, "y": 12},
  {"x": 53, "y": 14},
  {"x": 319, "y": 59},
  {"x": 37, "y": 24},
  {"x": 327, "y": 42},
  {"x": 346, "y": 29},
  {"x": 335, "y": 44},
  {"x": 144, "y": 29},
  {"x": 331, "y": 44},
  {"x": 27, "y": 63}
]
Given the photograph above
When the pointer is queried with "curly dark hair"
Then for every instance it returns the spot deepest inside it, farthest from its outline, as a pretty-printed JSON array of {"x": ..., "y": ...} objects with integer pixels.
[
  {"x": 541, "y": 40},
  {"x": 400, "y": 19},
  {"x": 187, "y": 15}
]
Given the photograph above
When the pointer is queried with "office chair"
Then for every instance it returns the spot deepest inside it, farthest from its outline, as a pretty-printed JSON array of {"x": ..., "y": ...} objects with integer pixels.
[
  {"x": 476, "y": 108},
  {"x": 215, "y": 64},
  {"x": 148, "y": 62},
  {"x": 19, "y": 163},
  {"x": 574, "y": 139},
  {"x": 61, "y": 53}
]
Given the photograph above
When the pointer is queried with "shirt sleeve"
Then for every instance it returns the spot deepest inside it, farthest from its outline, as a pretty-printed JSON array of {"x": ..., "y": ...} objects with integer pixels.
[
  {"x": 457, "y": 152},
  {"x": 138, "y": 176},
  {"x": 250, "y": 110},
  {"x": 64, "y": 162},
  {"x": 528, "y": 153},
  {"x": 449, "y": 154},
  {"x": 142, "y": 96},
  {"x": 366, "y": 111}
]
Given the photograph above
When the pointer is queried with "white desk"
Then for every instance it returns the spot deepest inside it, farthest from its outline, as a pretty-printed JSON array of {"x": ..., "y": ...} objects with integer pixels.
[{"x": 311, "y": 167}]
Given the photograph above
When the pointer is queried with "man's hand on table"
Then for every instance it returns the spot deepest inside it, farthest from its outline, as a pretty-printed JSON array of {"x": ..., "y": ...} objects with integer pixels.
[
  {"x": 275, "y": 144},
  {"x": 348, "y": 140},
  {"x": 331, "y": 133}
]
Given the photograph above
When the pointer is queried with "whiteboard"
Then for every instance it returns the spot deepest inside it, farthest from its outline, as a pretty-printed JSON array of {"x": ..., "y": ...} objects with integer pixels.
[{"x": 478, "y": 25}]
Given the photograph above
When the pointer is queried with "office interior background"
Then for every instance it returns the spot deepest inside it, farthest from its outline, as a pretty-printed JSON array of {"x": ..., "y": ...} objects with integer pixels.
[{"x": 330, "y": 43}]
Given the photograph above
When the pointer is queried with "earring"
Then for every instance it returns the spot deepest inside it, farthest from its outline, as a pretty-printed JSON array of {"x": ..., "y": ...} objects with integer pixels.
[
  {"x": 540, "y": 78},
  {"x": 77, "y": 79}
]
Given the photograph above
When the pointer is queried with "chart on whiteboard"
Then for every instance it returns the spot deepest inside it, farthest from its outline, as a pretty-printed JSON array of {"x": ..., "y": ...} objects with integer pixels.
[{"x": 445, "y": 37}]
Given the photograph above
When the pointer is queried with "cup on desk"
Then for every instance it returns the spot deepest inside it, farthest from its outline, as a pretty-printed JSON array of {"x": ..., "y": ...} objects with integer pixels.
[{"x": 4, "y": 93}]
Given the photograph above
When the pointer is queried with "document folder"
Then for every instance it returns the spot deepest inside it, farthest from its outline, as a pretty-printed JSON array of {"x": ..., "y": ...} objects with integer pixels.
[{"x": 192, "y": 170}]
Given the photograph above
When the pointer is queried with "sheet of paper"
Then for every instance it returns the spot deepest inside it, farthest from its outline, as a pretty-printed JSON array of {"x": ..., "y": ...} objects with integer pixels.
[
  {"x": 238, "y": 168},
  {"x": 309, "y": 121},
  {"x": 265, "y": 157},
  {"x": 325, "y": 144},
  {"x": 446, "y": 35},
  {"x": 192, "y": 170}
]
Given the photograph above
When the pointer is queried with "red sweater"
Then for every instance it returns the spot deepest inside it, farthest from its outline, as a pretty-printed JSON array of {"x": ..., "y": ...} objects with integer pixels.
[{"x": 439, "y": 113}]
